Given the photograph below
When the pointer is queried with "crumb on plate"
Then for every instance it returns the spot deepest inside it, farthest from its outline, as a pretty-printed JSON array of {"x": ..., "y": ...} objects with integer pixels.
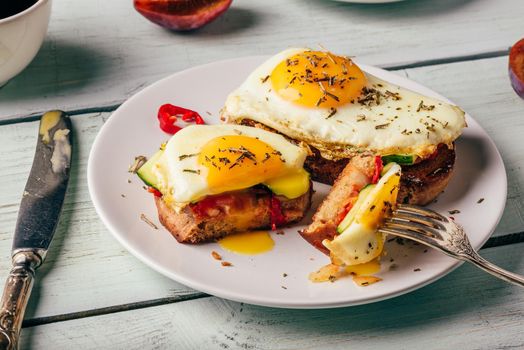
[{"x": 145, "y": 219}]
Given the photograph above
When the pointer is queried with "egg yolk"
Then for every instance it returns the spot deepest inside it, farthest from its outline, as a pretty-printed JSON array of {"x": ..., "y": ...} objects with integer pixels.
[
  {"x": 236, "y": 162},
  {"x": 318, "y": 79},
  {"x": 248, "y": 243}
]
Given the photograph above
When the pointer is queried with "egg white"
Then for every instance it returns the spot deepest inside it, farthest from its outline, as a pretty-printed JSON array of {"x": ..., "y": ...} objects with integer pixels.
[
  {"x": 391, "y": 127},
  {"x": 180, "y": 186}
]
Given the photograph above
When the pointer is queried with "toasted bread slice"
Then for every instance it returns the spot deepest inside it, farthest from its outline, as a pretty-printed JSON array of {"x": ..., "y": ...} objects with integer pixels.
[
  {"x": 420, "y": 183},
  {"x": 217, "y": 216},
  {"x": 357, "y": 174}
]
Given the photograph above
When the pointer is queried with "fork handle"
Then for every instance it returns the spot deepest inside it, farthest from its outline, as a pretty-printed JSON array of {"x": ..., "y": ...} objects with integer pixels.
[{"x": 495, "y": 270}]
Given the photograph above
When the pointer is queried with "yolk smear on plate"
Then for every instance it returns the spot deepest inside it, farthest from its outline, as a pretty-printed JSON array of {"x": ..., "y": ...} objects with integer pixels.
[
  {"x": 362, "y": 273},
  {"x": 368, "y": 268},
  {"x": 248, "y": 243}
]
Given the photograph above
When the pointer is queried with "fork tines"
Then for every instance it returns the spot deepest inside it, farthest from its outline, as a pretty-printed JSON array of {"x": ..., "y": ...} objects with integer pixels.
[
  {"x": 413, "y": 222},
  {"x": 412, "y": 209}
]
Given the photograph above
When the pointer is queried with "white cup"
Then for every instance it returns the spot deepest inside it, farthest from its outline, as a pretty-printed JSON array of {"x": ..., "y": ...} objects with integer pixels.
[{"x": 21, "y": 36}]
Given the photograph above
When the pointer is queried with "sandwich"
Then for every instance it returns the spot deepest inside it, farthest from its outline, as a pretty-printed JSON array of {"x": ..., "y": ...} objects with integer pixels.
[
  {"x": 211, "y": 181},
  {"x": 330, "y": 106},
  {"x": 345, "y": 226}
]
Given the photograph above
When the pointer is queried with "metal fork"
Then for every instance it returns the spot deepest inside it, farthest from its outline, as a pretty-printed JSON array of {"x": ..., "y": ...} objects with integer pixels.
[{"x": 437, "y": 231}]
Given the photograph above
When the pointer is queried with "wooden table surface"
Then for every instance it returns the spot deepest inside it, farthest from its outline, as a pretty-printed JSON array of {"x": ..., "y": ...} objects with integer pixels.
[{"x": 92, "y": 294}]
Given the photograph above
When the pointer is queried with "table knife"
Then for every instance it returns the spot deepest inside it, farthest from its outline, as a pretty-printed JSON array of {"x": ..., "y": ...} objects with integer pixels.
[{"x": 37, "y": 219}]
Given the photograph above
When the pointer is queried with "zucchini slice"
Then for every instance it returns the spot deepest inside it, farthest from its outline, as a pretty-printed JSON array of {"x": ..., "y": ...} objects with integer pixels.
[
  {"x": 145, "y": 173},
  {"x": 350, "y": 216},
  {"x": 401, "y": 159}
]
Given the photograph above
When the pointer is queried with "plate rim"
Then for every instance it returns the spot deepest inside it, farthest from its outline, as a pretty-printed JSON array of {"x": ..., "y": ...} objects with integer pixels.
[{"x": 235, "y": 296}]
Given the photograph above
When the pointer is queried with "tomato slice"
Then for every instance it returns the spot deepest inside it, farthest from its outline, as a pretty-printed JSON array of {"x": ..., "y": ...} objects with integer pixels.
[
  {"x": 276, "y": 215},
  {"x": 378, "y": 168},
  {"x": 214, "y": 202},
  {"x": 516, "y": 67},
  {"x": 154, "y": 191}
]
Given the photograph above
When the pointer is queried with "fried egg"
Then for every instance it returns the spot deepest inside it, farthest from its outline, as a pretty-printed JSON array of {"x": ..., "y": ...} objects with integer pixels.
[
  {"x": 202, "y": 160},
  {"x": 328, "y": 102}
]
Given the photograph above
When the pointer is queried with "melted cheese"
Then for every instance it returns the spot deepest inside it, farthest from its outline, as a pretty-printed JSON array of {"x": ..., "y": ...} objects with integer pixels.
[{"x": 292, "y": 185}]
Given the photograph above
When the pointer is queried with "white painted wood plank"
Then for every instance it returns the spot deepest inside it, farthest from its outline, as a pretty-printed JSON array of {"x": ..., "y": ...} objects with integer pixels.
[
  {"x": 482, "y": 88},
  {"x": 466, "y": 310},
  {"x": 100, "y": 52},
  {"x": 87, "y": 269}
]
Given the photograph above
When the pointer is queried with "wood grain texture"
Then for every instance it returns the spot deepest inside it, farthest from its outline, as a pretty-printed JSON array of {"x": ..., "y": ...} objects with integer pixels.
[
  {"x": 483, "y": 90},
  {"x": 87, "y": 269},
  {"x": 98, "y": 53},
  {"x": 466, "y": 310}
]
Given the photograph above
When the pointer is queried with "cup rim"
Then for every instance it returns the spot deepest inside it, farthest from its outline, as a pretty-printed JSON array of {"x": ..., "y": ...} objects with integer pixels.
[{"x": 30, "y": 9}]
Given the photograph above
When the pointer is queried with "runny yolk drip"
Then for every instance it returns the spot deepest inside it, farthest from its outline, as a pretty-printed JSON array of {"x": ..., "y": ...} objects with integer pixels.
[
  {"x": 248, "y": 243},
  {"x": 365, "y": 269},
  {"x": 318, "y": 79},
  {"x": 362, "y": 273},
  {"x": 236, "y": 162}
]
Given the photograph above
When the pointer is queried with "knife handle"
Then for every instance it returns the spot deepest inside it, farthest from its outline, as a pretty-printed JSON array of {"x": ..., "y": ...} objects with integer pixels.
[{"x": 16, "y": 295}]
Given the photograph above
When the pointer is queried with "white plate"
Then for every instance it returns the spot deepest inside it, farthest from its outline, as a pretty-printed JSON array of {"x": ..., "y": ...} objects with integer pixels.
[{"x": 133, "y": 130}]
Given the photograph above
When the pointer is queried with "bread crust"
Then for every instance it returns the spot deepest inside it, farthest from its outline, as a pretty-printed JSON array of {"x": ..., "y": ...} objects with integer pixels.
[
  {"x": 224, "y": 214},
  {"x": 420, "y": 183},
  {"x": 357, "y": 174}
]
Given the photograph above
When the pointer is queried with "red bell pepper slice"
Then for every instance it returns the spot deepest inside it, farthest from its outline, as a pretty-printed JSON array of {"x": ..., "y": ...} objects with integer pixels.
[
  {"x": 378, "y": 169},
  {"x": 168, "y": 115}
]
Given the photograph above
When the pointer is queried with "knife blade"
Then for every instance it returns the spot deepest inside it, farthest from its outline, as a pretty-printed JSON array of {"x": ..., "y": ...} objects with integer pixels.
[
  {"x": 46, "y": 186},
  {"x": 38, "y": 216}
]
